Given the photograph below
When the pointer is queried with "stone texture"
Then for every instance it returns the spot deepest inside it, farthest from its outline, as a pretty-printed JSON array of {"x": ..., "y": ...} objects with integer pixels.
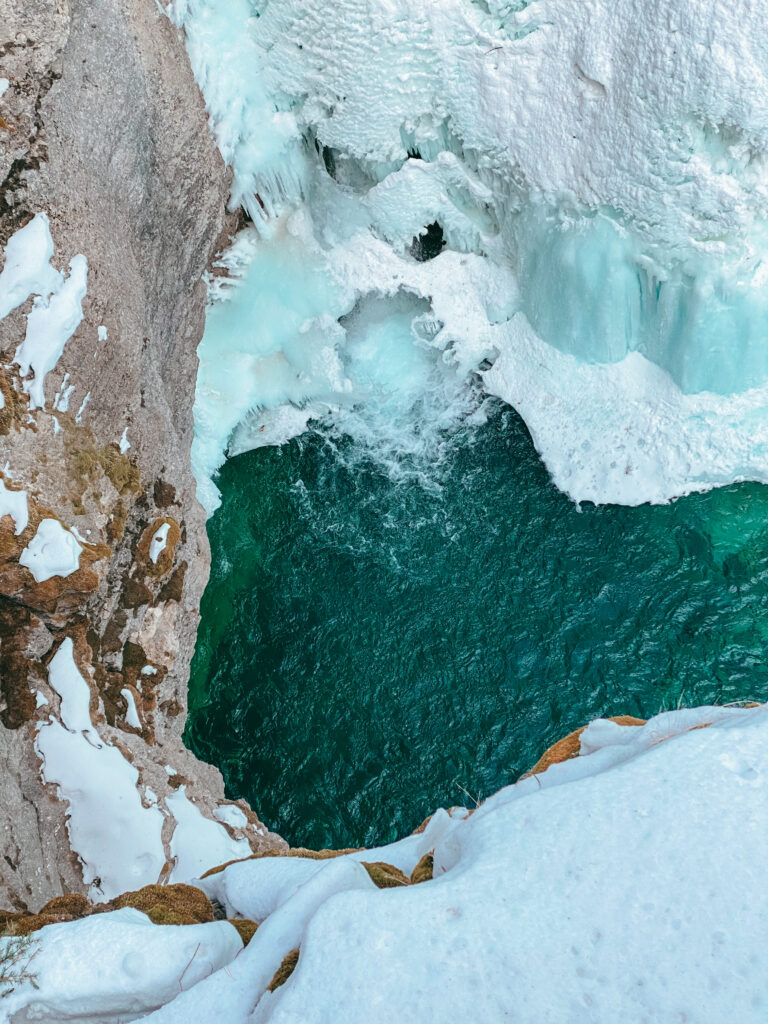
[{"x": 103, "y": 128}]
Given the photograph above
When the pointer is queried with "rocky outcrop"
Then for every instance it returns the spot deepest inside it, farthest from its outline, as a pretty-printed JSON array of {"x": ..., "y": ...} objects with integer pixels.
[{"x": 103, "y": 129}]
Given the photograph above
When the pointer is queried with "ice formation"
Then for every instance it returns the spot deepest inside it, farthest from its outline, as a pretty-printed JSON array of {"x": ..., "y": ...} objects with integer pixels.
[
  {"x": 626, "y": 883},
  {"x": 571, "y": 175}
]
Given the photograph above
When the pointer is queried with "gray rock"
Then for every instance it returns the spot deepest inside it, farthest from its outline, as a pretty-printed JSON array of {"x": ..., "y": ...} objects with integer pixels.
[{"x": 104, "y": 129}]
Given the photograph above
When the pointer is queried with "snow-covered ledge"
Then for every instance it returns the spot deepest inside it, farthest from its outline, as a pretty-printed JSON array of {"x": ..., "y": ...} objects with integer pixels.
[{"x": 591, "y": 891}]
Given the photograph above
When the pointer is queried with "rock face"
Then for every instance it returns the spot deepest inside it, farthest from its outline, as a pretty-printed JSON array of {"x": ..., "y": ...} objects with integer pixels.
[{"x": 103, "y": 129}]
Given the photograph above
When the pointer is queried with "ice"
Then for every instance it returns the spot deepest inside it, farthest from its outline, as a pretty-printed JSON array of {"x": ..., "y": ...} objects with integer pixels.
[
  {"x": 611, "y": 168},
  {"x": 624, "y": 431},
  {"x": 198, "y": 843},
  {"x": 14, "y": 504},
  {"x": 53, "y": 551},
  {"x": 125, "y": 444},
  {"x": 116, "y": 966},
  {"x": 4, "y": 86}
]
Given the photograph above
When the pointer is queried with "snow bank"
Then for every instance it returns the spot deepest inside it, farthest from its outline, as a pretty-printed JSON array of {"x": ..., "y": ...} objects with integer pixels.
[
  {"x": 234, "y": 992},
  {"x": 610, "y": 168},
  {"x": 623, "y": 884},
  {"x": 198, "y": 843},
  {"x": 117, "y": 839},
  {"x": 116, "y": 967},
  {"x": 53, "y": 551}
]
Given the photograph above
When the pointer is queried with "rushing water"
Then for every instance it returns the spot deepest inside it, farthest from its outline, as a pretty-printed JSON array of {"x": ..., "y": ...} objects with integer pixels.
[{"x": 370, "y": 650}]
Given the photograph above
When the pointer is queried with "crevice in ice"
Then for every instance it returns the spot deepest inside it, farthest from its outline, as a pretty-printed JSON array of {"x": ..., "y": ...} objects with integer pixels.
[{"x": 429, "y": 243}]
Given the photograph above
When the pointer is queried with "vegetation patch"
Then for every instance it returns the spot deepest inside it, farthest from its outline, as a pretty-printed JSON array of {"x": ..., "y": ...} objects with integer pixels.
[{"x": 284, "y": 971}]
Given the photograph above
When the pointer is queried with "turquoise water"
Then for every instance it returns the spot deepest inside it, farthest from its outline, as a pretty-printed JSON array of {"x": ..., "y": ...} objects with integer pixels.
[{"x": 370, "y": 650}]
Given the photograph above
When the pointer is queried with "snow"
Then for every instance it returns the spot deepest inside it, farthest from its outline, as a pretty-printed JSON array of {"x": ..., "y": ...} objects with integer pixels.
[
  {"x": 116, "y": 967},
  {"x": 117, "y": 839},
  {"x": 14, "y": 504},
  {"x": 102, "y": 332},
  {"x": 81, "y": 410},
  {"x": 50, "y": 325},
  {"x": 239, "y": 986},
  {"x": 27, "y": 269},
  {"x": 608, "y": 167},
  {"x": 4, "y": 86},
  {"x": 57, "y": 309},
  {"x": 132, "y": 715},
  {"x": 53, "y": 551},
  {"x": 158, "y": 542},
  {"x": 149, "y": 670},
  {"x": 621, "y": 885},
  {"x": 65, "y": 678},
  {"x": 125, "y": 444},
  {"x": 198, "y": 843},
  {"x": 231, "y": 815},
  {"x": 63, "y": 395}
]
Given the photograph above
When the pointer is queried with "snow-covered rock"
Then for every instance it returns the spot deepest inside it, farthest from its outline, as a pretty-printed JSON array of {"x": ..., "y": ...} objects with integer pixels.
[
  {"x": 114, "y": 967},
  {"x": 624, "y": 884}
]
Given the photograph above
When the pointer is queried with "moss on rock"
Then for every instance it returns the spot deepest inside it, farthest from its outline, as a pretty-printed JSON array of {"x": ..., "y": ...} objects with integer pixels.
[
  {"x": 284, "y": 971},
  {"x": 385, "y": 876},
  {"x": 245, "y": 928},
  {"x": 168, "y": 904},
  {"x": 423, "y": 870}
]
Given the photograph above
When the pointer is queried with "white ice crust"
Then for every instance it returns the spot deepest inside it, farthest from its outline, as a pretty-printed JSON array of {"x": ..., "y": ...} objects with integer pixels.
[{"x": 600, "y": 174}]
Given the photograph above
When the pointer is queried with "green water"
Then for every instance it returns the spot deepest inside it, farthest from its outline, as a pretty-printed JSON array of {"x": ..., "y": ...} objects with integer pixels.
[{"x": 370, "y": 651}]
